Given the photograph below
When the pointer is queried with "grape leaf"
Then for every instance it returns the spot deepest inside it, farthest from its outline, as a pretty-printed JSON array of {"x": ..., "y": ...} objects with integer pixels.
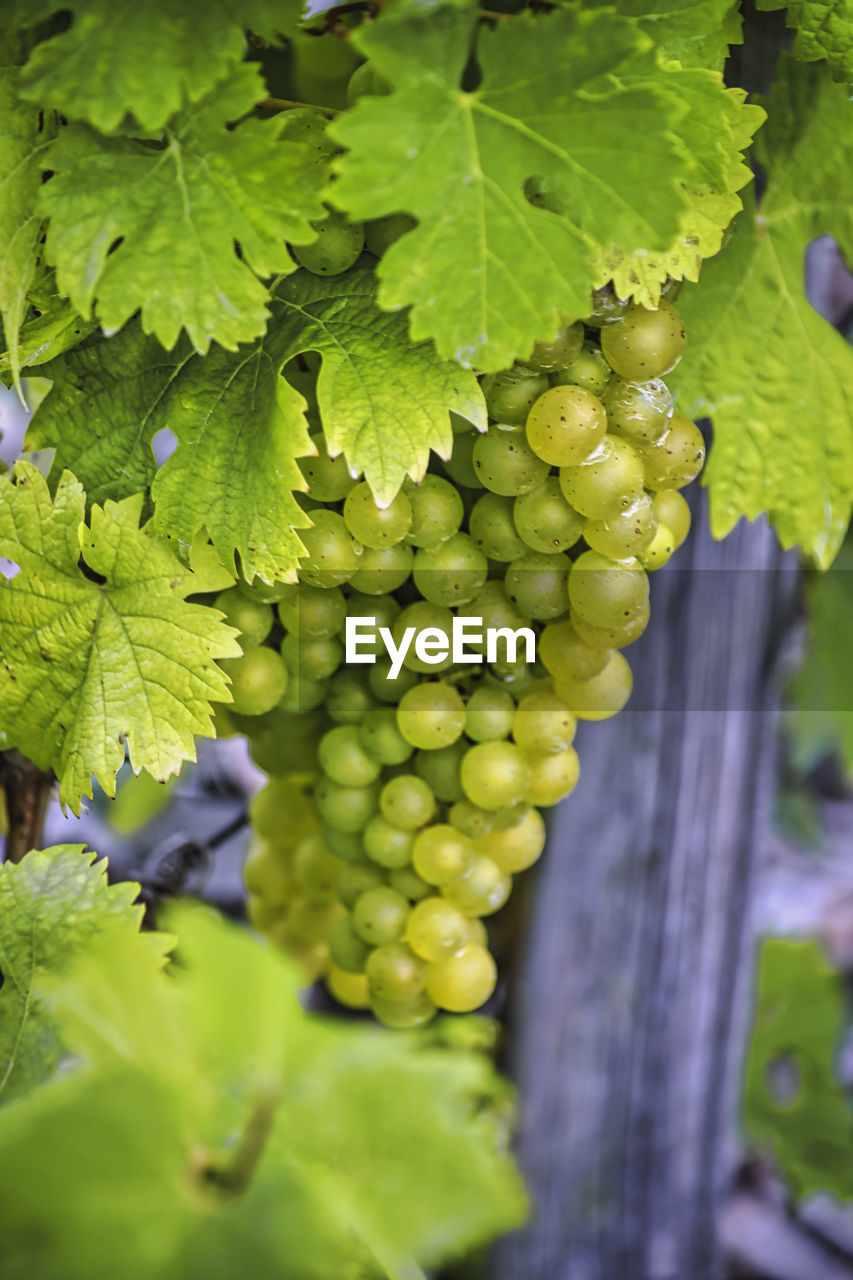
[
  {"x": 776, "y": 378},
  {"x": 795, "y": 1038},
  {"x": 145, "y": 58},
  {"x": 155, "y": 225},
  {"x": 824, "y": 30},
  {"x": 486, "y": 271},
  {"x": 52, "y": 905},
  {"x": 89, "y": 665},
  {"x": 823, "y": 687},
  {"x": 217, "y": 1117},
  {"x": 696, "y": 33}
]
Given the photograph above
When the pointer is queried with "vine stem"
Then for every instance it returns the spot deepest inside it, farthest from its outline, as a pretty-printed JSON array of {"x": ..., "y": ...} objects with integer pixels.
[
  {"x": 234, "y": 1177},
  {"x": 27, "y": 791}
]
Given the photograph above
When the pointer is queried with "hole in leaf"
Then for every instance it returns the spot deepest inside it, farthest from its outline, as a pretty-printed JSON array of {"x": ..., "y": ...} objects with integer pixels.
[
  {"x": 9, "y": 569},
  {"x": 829, "y": 283},
  {"x": 164, "y": 445}
]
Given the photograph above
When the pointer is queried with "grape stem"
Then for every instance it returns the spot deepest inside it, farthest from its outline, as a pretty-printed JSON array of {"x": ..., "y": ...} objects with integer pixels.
[{"x": 234, "y": 1177}]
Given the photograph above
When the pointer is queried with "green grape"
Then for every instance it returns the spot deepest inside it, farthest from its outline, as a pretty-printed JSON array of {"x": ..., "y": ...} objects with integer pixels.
[
  {"x": 545, "y": 521},
  {"x": 366, "y": 82},
  {"x": 266, "y": 592},
  {"x": 601, "y": 696},
  {"x": 505, "y": 463},
  {"x": 536, "y": 584},
  {"x": 492, "y": 527},
  {"x": 618, "y": 637},
  {"x": 407, "y": 801},
  {"x": 431, "y": 715},
  {"x": 489, "y": 714},
  {"x": 481, "y": 890},
  {"x": 312, "y": 611},
  {"x": 258, "y": 680},
  {"x": 395, "y": 973},
  {"x": 356, "y": 878},
  {"x": 281, "y": 742},
  {"x": 381, "y": 738},
  {"x": 659, "y": 550},
  {"x": 610, "y": 480},
  {"x": 407, "y": 881},
  {"x": 381, "y": 572},
  {"x": 380, "y": 915},
  {"x": 515, "y": 848},
  {"x": 431, "y": 618},
  {"x": 477, "y": 932},
  {"x": 328, "y": 479},
  {"x": 589, "y": 370},
  {"x": 380, "y": 234},
  {"x": 676, "y": 458},
  {"x": 331, "y": 555},
  {"x": 463, "y": 982},
  {"x": 436, "y": 929},
  {"x": 437, "y": 511},
  {"x": 494, "y": 775},
  {"x": 315, "y": 658},
  {"x": 672, "y": 510},
  {"x": 460, "y": 465},
  {"x": 384, "y": 610},
  {"x": 403, "y": 1015},
  {"x": 607, "y": 308},
  {"x": 515, "y": 677},
  {"x": 492, "y": 608},
  {"x": 349, "y": 989},
  {"x": 312, "y": 919},
  {"x": 638, "y": 411},
  {"x": 565, "y": 425},
  {"x": 374, "y": 526},
  {"x": 542, "y": 723},
  {"x": 566, "y": 655},
  {"x": 283, "y": 795},
  {"x": 386, "y": 689},
  {"x": 337, "y": 247},
  {"x": 605, "y": 592},
  {"x": 387, "y": 845},
  {"x": 345, "y": 845},
  {"x": 267, "y": 872},
  {"x": 265, "y": 915},
  {"x": 302, "y": 694},
  {"x": 439, "y": 768},
  {"x": 441, "y": 854},
  {"x": 325, "y": 55},
  {"x": 316, "y": 869},
  {"x": 511, "y": 393},
  {"x": 343, "y": 758},
  {"x": 348, "y": 699},
  {"x": 559, "y": 351},
  {"x": 451, "y": 573},
  {"x": 470, "y": 819},
  {"x": 644, "y": 344},
  {"x": 251, "y": 617},
  {"x": 347, "y": 808},
  {"x": 346, "y": 949},
  {"x": 552, "y": 776},
  {"x": 624, "y": 534}
]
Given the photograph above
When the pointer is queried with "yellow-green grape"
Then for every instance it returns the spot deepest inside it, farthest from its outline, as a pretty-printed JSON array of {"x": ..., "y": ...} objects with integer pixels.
[
  {"x": 627, "y": 533},
  {"x": 355, "y": 878},
  {"x": 403, "y": 1015},
  {"x": 536, "y": 584},
  {"x": 494, "y": 775},
  {"x": 252, "y": 618},
  {"x": 492, "y": 526},
  {"x": 451, "y": 573},
  {"x": 489, "y": 714},
  {"x": 387, "y": 845},
  {"x": 381, "y": 738},
  {"x": 639, "y": 411},
  {"x": 345, "y": 845},
  {"x": 258, "y": 680},
  {"x": 283, "y": 796},
  {"x": 316, "y": 870},
  {"x": 431, "y": 715},
  {"x": 481, "y": 890},
  {"x": 348, "y": 698},
  {"x": 302, "y": 694},
  {"x": 543, "y": 723},
  {"x": 380, "y": 915},
  {"x": 477, "y": 932},
  {"x": 381, "y": 233},
  {"x": 425, "y": 617},
  {"x": 437, "y": 511},
  {"x": 439, "y": 768},
  {"x": 395, "y": 973},
  {"x": 659, "y": 550},
  {"x": 332, "y": 556},
  {"x": 671, "y": 509},
  {"x": 558, "y": 351},
  {"x": 644, "y": 344},
  {"x": 510, "y": 394},
  {"x": 266, "y": 914},
  {"x": 312, "y": 657},
  {"x": 337, "y": 247},
  {"x": 347, "y": 808},
  {"x": 492, "y": 608},
  {"x": 601, "y": 696},
  {"x": 384, "y": 611},
  {"x": 349, "y": 989},
  {"x": 470, "y": 819},
  {"x": 346, "y": 949},
  {"x": 407, "y": 881},
  {"x": 374, "y": 526},
  {"x": 462, "y": 982},
  {"x": 312, "y": 919},
  {"x": 589, "y": 370},
  {"x": 268, "y": 872},
  {"x": 565, "y": 425},
  {"x": 517, "y": 847},
  {"x": 566, "y": 655},
  {"x": 328, "y": 479},
  {"x": 605, "y": 592},
  {"x": 388, "y": 688},
  {"x": 544, "y": 520},
  {"x": 610, "y": 479},
  {"x": 676, "y": 457},
  {"x": 504, "y": 461},
  {"x": 619, "y": 637},
  {"x": 441, "y": 854},
  {"x": 378, "y": 573},
  {"x": 313, "y": 957},
  {"x": 407, "y": 801},
  {"x": 312, "y": 611},
  {"x": 436, "y": 929},
  {"x": 552, "y": 776}
]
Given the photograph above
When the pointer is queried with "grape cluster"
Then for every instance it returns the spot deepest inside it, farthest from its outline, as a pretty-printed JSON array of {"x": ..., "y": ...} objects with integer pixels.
[{"x": 401, "y": 803}]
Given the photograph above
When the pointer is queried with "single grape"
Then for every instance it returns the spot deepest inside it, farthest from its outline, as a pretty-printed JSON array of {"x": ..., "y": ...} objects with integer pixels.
[
  {"x": 437, "y": 511},
  {"x": 492, "y": 526},
  {"x": 349, "y": 989},
  {"x": 347, "y": 808},
  {"x": 378, "y": 573},
  {"x": 481, "y": 890},
  {"x": 348, "y": 699},
  {"x": 381, "y": 738},
  {"x": 494, "y": 774},
  {"x": 672, "y": 510},
  {"x": 565, "y": 425},
  {"x": 383, "y": 687},
  {"x": 589, "y": 370},
  {"x": 355, "y": 878},
  {"x": 460, "y": 466},
  {"x": 610, "y": 480},
  {"x": 543, "y": 723},
  {"x": 607, "y": 308},
  {"x": 489, "y": 714},
  {"x": 638, "y": 411},
  {"x": 552, "y": 776},
  {"x": 380, "y": 234},
  {"x": 314, "y": 658},
  {"x": 559, "y": 350},
  {"x": 387, "y": 845},
  {"x": 312, "y": 611},
  {"x": 328, "y": 479},
  {"x": 470, "y": 819},
  {"x": 283, "y": 795},
  {"x": 618, "y": 637},
  {"x": 395, "y": 973},
  {"x": 545, "y": 521},
  {"x": 332, "y": 557},
  {"x": 366, "y": 82},
  {"x": 493, "y": 609},
  {"x": 380, "y": 916},
  {"x": 517, "y": 847},
  {"x": 463, "y": 982},
  {"x": 510, "y": 394},
  {"x": 251, "y": 617},
  {"x": 433, "y": 626},
  {"x": 436, "y": 929},
  {"x": 439, "y": 768},
  {"x": 403, "y": 1015},
  {"x": 343, "y": 758},
  {"x": 407, "y": 881},
  {"x": 337, "y": 247},
  {"x": 258, "y": 680},
  {"x": 601, "y": 696},
  {"x": 451, "y": 573},
  {"x": 624, "y": 534},
  {"x": 605, "y": 592},
  {"x": 441, "y": 854},
  {"x": 644, "y": 344},
  {"x": 407, "y": 801},
  {"x": 536, "y": 584},
  {"x": 431, "y": 715},
  {"x": 676, "y": 458},
  {"x": 566, "y": 655},
  {"x": 374, "y": 526},
  {"x": 505, "y": 463},
  {"x": 659, "y": 550},
  {"x": 315, "y": 868},
  {"x": 345, "y": 845},
  {"x": 346, "y": 949}
]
